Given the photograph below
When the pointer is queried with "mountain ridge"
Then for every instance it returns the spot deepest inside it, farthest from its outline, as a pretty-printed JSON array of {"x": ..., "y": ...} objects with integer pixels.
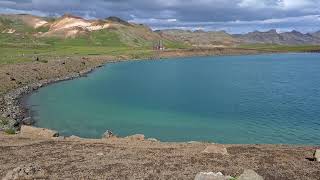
[{"x": 70, "y": 26}]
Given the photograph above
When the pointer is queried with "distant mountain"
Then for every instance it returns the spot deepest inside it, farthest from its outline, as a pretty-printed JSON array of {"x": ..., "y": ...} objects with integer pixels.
[
  {"x": 273, "y": 37},
  {"x": 113, "y": 30},
  {"x": 316, "y": 34},
  {"x": 201, "y": 38}
]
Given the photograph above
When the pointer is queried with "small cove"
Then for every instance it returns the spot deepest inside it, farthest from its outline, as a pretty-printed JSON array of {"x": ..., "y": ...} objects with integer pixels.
[{"x": 265, "y": 99}]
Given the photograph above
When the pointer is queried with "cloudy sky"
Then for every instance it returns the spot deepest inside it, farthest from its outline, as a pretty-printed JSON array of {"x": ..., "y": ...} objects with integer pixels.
[{"x": 235, "y": 16}]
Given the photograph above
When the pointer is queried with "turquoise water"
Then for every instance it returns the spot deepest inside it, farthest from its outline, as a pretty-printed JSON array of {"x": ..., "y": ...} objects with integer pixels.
[{"x": 273, "y": 99}]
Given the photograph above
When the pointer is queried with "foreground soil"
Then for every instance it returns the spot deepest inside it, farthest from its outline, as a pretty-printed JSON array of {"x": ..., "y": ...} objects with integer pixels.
[{"x": 120, "y": 158}]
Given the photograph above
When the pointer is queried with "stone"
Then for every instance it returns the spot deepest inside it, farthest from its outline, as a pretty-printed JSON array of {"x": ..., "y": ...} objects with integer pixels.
[
  {"x": 99, "y": 154},
  {"x": 60, "y": 138},
  {"x": 107, "y": 134},
  {"x": 28, "y": 121},
  {"x": 137, "y": 137},
  {"x": 216, "y": 149},
  {"x": 317, "y": 155},
  {"x": 29, "y": 131},
  {"x": 211, "y": 176},
  {"x": 29, "y": 171},
  {"x": 74, "y": 137},
  {"x": 153, "y": 139},
  {"x": 249, "y": 174},
  {"x": 194, "y": 142}
]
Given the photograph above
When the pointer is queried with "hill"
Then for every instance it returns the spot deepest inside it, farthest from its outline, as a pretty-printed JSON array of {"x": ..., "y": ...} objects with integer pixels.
[
  {"x": 273, "y": 37},
  {"x": 316, "y": 34},
  {"x": 72, "y": 27},
  {"x": 25, "y": 37},
  {"x": 201, "y": 38}
]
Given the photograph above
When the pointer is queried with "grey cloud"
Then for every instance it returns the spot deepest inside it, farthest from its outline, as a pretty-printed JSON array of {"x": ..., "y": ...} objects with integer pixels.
[{"x": 185, "y": 11}]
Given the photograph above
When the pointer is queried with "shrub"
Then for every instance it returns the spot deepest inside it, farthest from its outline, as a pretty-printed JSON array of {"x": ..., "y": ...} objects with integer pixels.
[{"x": 10, "y": 131}]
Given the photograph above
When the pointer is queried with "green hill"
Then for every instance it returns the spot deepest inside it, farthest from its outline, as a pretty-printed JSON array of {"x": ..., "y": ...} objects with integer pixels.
[{"x": 25, "y": 37}]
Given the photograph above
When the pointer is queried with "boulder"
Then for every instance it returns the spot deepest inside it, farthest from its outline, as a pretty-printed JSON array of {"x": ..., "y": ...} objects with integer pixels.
[
  {"x": 29, "y": 131},
  {"x": 100, "y": 154},
  {"x": 73, "y": 137},
  {"x": 249, "y": 175},
  {"x": 29, "y": 171},
  {"x": 317, "y": 155},
  {"x": 216, "y": 149},
  {"x": 153, "y": 139},
  {"x": 137, "y": 137},
  {"x": 28, "y": 121},
  {"x": 211, "y": 176}
]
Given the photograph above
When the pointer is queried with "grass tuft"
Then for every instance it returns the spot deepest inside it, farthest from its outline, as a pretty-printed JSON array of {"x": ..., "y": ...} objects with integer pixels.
[{"x": 10, "y": 131}]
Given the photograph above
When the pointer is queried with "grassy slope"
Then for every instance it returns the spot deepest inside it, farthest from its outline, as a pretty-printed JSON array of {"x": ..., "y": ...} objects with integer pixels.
[{"x": 23, "y": 46}]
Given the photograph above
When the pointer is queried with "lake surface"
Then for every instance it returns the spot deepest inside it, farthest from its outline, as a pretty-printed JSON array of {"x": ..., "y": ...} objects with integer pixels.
[{"x": 273, "y": 99}]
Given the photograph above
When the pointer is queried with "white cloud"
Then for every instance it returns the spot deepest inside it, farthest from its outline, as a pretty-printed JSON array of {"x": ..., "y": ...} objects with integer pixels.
[
  {"x": 252, "y": 4},
  {"x": 295, "y": 4}
]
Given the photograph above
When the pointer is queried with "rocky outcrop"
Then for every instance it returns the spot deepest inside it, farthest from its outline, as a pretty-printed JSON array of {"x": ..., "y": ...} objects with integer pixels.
[
  {"x": 249, "y": 175},
  {"x": 29, "y": 131},
  {"x": 29, "y": 171},
  {"x": 211, "y": 176},
  {"x": 216, "y": 149}
]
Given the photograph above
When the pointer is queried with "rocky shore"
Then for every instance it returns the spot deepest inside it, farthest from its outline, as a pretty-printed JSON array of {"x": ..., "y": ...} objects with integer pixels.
[{"x": 12, "y": 100}]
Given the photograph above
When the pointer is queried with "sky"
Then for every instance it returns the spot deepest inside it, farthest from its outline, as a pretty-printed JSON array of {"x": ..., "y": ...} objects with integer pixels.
[{"x": 233, "y": 16}]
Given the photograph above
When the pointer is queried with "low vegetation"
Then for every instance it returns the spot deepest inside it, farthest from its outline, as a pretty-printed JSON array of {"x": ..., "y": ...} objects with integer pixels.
[
  {"x": 27, "y": 44},
  {"x": 10, "y": 131}
]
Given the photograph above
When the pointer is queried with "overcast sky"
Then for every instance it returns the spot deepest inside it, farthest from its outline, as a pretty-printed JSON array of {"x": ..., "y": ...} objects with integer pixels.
[{"x": 235, "y": 16}]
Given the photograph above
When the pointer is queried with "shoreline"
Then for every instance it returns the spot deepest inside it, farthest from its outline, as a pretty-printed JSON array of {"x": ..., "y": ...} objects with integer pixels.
[{"x": 16, "y": 108}]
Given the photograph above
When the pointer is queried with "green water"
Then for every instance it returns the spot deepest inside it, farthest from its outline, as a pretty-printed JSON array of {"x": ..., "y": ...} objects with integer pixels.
[{"x": 235, "y": 99}]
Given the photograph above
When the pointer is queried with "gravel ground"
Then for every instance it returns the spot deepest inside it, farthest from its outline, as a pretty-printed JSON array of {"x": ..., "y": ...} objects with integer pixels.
[{"x": 121, "y": 158}]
